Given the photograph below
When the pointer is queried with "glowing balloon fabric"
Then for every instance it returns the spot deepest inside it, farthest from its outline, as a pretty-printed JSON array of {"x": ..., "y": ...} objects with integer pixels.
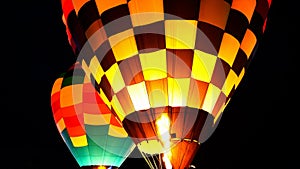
[
  {"x": 182, "y": 59},
  {"x": 92, "y": 133}
]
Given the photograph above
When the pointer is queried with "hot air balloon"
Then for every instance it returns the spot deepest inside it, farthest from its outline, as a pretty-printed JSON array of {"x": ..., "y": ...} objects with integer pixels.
[
  {"x": 167, "y": 69},
  {"x": 93, "y": 135}
]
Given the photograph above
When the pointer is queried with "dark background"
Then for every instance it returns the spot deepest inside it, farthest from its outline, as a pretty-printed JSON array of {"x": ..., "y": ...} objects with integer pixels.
[{"x": 255, "y": 132}]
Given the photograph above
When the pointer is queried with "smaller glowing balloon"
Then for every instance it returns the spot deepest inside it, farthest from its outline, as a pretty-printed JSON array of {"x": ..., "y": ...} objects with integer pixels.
[{"x": 92, "y": 133}]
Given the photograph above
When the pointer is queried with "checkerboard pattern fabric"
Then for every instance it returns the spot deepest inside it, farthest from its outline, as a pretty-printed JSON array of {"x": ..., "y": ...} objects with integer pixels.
[
  {"x": 91, "y": 132},
  {"x": 151, "y": 57}
]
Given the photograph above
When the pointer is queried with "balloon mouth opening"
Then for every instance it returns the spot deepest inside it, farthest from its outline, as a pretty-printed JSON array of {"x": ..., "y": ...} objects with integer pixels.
[
  {"x": 150, "y": 147},
  {"x": 153, "y": 147}
]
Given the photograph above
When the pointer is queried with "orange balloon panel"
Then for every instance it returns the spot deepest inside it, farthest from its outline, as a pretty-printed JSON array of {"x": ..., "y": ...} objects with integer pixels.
[{"x": 185, "y": 152}]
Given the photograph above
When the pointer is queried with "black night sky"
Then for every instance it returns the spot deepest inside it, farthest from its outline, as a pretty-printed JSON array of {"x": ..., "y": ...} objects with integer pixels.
[{"x": 255, "y": 131}]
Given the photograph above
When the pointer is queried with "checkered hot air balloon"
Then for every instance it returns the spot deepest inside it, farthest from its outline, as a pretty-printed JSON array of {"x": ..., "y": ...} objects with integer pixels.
[{"x": 166, "y": 68}]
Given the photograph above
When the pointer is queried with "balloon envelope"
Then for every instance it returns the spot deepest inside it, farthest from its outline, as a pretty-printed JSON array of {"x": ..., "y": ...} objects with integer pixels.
[
  {"x": 166, "y": 64},
  {"x": 92, "y": 133}
]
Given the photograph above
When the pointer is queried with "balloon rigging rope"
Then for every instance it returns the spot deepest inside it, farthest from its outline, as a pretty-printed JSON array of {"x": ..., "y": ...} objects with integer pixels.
[
  {"x": 148, "y": 161},
  {"x": 153, "y": 162}
]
